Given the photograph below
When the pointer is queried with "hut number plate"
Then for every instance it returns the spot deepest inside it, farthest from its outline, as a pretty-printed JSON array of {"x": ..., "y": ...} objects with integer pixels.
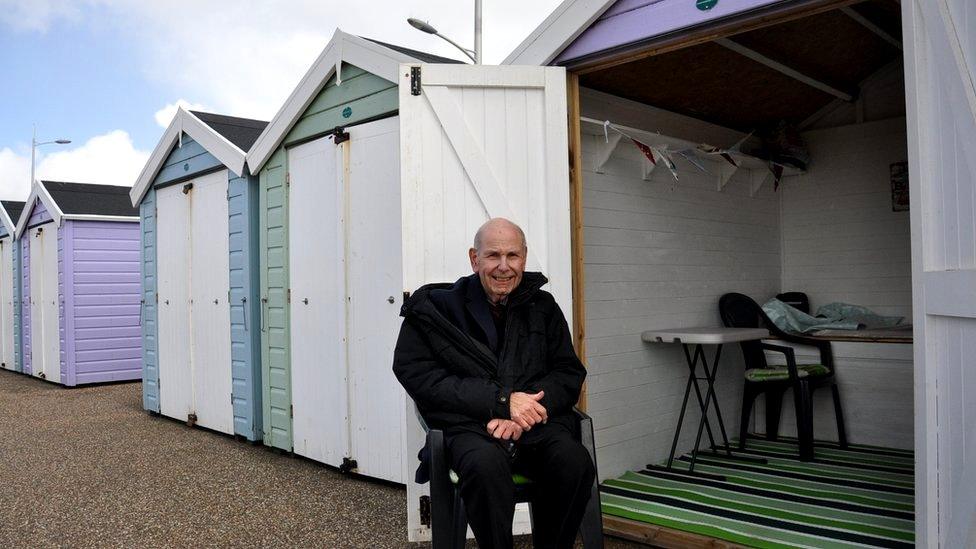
[{"x": 705, "y": 5}]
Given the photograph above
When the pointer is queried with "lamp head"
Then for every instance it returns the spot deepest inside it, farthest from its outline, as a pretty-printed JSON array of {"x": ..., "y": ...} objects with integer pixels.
[
  {"x": 62, "y": 141},
  {"x": 421, "y": 25}
]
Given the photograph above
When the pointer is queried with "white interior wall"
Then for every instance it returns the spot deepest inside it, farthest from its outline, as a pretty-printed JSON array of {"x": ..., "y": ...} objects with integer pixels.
[
  {"x": 843, "y": 242},
  {"x": 659, "y": 255}
]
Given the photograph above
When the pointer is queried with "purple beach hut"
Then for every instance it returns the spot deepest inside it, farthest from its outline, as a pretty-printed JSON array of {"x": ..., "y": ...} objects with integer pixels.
[{"x": 80, "y": 301}]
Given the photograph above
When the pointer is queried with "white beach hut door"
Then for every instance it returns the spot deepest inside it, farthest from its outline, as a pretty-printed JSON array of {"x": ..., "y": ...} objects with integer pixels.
[
  {"x": 374, "y": 293},
  {"x": 940, "y": 68},
  {"x": 36, "y": 300},
  {"x": 477, "y": 142},
  {"x": 6, "y": 304},
  {"x": 51, "y": 314},
  {"x": 318, "y": 311},
  {"x": 209, "y": 307},
  {"x": 173, "y": 249}
]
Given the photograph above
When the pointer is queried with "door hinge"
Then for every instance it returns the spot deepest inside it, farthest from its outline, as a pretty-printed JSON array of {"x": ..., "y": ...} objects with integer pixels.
[
  {"x": 339, "y": 135},
  {"x": 425, "y": 510},
  {"x": 291, "y": 410},
  {"x": 157, "y": 298},
  {"x": 289, "y": 295},
  {"x": 232, "y": 398},
  {"x": 414, "y": 80},
  {"x": 287, "y": 179}
]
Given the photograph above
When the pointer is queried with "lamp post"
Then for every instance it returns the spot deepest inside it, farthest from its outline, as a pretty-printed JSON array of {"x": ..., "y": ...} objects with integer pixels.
[
  {"x": 475, "y": 54},
  {"x": 35, "y": 145}
]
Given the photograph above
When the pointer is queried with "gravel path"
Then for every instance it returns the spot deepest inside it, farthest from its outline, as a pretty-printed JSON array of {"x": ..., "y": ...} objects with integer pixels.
[{"x": 87, "y": 467}]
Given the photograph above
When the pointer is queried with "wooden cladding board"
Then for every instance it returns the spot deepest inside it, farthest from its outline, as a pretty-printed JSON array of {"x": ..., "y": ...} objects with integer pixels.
[
  {"x": 659, "y": 536},
  {"x": 361, "y": 96},
  {"x": 150, "y": 327}
]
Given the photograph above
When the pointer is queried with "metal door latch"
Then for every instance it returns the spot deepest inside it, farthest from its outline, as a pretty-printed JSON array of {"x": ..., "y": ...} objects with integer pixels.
[{"x": 391, "y": 300}]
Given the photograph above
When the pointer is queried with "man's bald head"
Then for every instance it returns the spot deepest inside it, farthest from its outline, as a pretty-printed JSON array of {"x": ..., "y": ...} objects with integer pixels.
[
  {"x": 496, "y": 225},
  {"x": 498, "y": 257}
]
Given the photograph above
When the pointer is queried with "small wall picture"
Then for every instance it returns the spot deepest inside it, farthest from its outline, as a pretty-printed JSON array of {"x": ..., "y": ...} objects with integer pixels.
[{"x": 899, "y": 187}]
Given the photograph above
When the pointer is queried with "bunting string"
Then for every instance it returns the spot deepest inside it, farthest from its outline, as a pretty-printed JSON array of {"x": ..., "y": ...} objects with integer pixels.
[{"x": 661, "y": 154}]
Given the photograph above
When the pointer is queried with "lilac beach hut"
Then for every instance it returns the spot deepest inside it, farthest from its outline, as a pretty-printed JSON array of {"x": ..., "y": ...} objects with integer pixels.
[{"x": 80, "y": 308}]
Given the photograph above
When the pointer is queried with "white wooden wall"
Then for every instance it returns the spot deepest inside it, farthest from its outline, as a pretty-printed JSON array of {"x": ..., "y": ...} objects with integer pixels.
[
  {"x": 658, "y": 257},
  {"x": 940, "y": 64},
  {"x": 841, "y": 241}
]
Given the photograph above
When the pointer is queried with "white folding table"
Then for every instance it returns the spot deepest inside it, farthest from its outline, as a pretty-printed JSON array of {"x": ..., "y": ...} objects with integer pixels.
[{"x": 699, "y": 337}]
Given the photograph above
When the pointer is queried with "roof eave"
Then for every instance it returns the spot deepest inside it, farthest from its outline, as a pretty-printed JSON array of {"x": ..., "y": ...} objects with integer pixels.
[
  {"x": 227, "y": 153},
  {"x": 38, "y": 192},
  {"x": 558, "y": 31},
  {"x": 343, "y": 47},
  {"x": 7, "y": 222}
]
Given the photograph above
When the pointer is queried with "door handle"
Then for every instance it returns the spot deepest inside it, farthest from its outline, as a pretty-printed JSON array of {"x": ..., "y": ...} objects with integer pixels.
[
  {"x": 305, "y": 301},
  {"x": 264, "y": 308},
  {"x": 215, "y": 302},
  {"x": 244, "y": 311},
  {"x": 391, "y": 300}
]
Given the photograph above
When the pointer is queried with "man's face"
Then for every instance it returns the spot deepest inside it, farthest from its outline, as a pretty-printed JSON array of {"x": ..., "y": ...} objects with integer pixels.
[{"x": 500, "y": 262}]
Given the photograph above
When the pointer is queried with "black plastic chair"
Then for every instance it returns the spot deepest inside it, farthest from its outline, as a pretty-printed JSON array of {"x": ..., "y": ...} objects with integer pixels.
[
  {"x": 449, "y": 524},
  {"x": 797, "y": 300},
  {"x": 741, "y": 311}
]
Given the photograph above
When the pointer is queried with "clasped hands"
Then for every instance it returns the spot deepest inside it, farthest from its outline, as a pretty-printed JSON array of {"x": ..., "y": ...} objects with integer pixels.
[{"x": 525, "y": 411}]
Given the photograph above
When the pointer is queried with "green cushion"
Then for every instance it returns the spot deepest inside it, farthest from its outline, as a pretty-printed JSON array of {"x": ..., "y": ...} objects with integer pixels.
[
  {"x": 814, "y": 369},
  {"x": 519, "y": 480},
  {"x": 780, "y": 372},
  {"x": 771, "y": 374}
]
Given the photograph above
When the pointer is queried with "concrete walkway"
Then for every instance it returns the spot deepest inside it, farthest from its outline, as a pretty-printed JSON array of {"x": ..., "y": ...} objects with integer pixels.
[{"x": 87, "y": 467}]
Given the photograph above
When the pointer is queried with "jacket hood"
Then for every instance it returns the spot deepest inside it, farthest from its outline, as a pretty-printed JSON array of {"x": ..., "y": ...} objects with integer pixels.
[{"x": 531, "y": 283}]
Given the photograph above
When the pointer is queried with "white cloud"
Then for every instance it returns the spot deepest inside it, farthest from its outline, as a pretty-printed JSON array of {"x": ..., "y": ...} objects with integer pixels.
[
  {"x": 249, "y": 63},
  {"x": 14, "y": 175},
  {"x": 109, "y": 159},
  {"x": 165, "y": 115}
]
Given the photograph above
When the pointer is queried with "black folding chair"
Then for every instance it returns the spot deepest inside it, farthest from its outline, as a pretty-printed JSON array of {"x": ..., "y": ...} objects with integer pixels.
[
  {"x": 449, "y": 524},
  {"x": 741, "y": 311}
]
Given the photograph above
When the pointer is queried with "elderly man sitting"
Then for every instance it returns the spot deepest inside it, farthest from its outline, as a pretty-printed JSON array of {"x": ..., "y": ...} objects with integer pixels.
[{"x": 489, "y": 360}]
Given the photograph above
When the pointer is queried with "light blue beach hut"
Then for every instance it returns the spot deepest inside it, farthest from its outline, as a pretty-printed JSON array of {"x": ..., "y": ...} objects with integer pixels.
[{"x": 201, "y": 319}]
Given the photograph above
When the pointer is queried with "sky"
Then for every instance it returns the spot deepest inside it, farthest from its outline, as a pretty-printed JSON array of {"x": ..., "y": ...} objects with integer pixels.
[{"x": 109, "y": 74}]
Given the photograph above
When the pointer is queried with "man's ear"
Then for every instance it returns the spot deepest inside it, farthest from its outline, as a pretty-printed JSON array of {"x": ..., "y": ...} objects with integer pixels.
[{"x": 473, "y": 256}]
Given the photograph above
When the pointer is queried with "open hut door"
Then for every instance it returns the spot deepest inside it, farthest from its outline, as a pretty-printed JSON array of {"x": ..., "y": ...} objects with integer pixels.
[
  {"x": 940, "y": 67},
  {"x": 478, "y": 142}
]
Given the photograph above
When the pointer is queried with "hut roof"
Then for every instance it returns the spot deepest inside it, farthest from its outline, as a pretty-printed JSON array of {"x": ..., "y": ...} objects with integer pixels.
[
  {"x": 90, "y": 199},
  {"x": 13, "y": 209},
  {"x": 242, "y": 132},
  {"x": 372, "y": 56}
]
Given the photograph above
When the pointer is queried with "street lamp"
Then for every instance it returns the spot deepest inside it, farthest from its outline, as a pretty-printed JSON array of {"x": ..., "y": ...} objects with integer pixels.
[
  {"x": 35, "y": 145},
  {"x": 475, "y": 54}
]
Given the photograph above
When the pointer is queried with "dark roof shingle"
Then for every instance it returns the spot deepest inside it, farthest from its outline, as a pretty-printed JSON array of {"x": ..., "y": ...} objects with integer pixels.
[
  {"x": 242, "y": 132},
  {"x": 418, "y": 55},
  {"x": 91, "y": 199},
  {"x": 14, "y": 208}
]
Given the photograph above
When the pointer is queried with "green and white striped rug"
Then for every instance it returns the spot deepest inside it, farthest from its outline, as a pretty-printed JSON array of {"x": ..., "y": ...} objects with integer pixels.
[{"x": 862, "y": 496}]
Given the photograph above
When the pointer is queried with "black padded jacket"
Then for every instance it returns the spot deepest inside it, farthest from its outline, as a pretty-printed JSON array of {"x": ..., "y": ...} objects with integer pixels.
[{"x": 456, "y": 380}]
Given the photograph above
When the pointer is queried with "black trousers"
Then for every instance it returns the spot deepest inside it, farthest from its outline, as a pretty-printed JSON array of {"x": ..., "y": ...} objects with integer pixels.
[{"x": 558, "y": 465}]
